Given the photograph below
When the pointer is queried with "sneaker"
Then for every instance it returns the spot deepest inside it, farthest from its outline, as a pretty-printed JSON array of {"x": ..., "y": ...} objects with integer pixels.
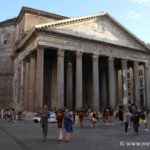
[{"x": 146, "y": 129}]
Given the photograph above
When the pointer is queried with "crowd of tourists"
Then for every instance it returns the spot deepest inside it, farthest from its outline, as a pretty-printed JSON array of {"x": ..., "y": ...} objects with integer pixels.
[
  {"x": 10, "y": 114},
  {"x": 66, "y": 119}
]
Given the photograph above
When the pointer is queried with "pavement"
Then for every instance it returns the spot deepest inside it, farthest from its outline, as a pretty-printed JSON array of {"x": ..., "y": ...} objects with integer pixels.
[{"x": 27, "y": 135}]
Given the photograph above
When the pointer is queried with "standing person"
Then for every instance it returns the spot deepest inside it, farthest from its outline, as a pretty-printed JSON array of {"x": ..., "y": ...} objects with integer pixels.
[
  {"x": 143, "y": 120},
  {"x": 90, "y": 116},
  {"x": 12, "y": 115},
  {"x": 135, "y": 119},
  {"x": 76, "y": 117},
  {"x": 94, "y": 119},
  {"x": 120, "y": 114},
  {"x": 126, "y": 119},
  {"x": 68, "y": 124},
  {"x": 60, "y": 117},
  {"x": 81, "y": 117},
  {"x": 106, "y": 117},
  {"x": 111, "y": 114},
  {"x": 44, "y": 122}
]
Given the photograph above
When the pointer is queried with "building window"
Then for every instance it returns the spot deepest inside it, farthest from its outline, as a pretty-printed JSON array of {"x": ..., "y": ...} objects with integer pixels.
[{"x": 128, "y": 75}]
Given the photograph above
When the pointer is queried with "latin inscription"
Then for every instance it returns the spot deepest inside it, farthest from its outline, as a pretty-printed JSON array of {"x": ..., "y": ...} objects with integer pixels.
[{"x": 108, "y": 51}]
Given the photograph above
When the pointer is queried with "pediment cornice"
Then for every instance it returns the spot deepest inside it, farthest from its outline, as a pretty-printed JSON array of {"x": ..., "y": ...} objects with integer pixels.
[
  {"x": 70, "y": 21},
  {"x": 65, "y": 22}
]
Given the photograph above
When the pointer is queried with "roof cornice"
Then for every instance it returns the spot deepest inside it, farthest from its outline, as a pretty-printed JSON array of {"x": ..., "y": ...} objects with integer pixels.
[
  {"x": 24, "y": 10},
  {"x": 8, "y": 22},
  {"x": 39, "y": 13}
]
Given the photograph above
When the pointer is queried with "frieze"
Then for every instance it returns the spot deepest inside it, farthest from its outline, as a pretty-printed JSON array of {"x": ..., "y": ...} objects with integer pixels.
[{"x": 108, "y": 51}]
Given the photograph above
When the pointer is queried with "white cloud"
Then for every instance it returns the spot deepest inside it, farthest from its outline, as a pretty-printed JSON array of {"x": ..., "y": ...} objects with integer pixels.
[
  {"x": 134, "y": 15},
  {"x": 143, "y": 2}
]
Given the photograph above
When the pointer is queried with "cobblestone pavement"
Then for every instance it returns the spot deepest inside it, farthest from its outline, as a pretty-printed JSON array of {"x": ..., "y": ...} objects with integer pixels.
[{"x": 26, "y": 135}]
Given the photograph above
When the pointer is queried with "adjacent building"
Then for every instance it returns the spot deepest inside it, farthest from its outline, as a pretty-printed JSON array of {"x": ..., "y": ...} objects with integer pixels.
[{"x": 89, "y": 61}]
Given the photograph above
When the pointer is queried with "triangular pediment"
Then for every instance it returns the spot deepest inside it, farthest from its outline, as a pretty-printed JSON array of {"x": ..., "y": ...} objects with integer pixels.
[{"x": 101, "y": 27}]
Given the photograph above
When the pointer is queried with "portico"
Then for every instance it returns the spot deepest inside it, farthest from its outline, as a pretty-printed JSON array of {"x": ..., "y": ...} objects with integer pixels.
[{"x": 62, "y": 69}]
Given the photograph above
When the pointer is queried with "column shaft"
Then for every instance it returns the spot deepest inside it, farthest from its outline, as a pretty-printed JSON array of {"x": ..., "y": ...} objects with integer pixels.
[
  {"x": 95, "y": 75},
  {"x": 112, "y": 82},
  {"x": 125, "y": 82},
  {"x": 22, "y": 84},
  {"x": 69, "y": 90},
  {"x": 54, "y": 86},
  {"x": 103, "y": 88},
  {"x": 79, "y": 88},
  {"x": 26, "y": 92},
  {"x": 60, "y": 79},
  {"x": 32, "y": 82},
  {"x": 19, "y": 84},
  {"x": 39, "y": 79},
  {"x": 136, "y": 84}
]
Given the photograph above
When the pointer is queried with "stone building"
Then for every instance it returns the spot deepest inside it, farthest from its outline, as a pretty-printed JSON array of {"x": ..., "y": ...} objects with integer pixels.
[{"x": 89, "y": 61}]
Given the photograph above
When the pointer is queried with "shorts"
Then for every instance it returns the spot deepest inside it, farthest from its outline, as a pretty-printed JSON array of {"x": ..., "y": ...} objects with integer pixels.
[{"x": 142, "y": 121}]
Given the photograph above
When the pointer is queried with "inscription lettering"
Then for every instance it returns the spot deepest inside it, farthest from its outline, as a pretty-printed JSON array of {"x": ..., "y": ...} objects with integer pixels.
[{"x": 108, "y": 51}]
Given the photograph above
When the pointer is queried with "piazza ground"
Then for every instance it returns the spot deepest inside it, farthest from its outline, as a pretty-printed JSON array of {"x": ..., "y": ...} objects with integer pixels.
[{"x": 26, "y": 135}]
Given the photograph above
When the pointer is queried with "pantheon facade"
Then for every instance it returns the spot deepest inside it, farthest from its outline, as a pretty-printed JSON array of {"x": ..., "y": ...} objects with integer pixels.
[{"x": 89, "y": 61}]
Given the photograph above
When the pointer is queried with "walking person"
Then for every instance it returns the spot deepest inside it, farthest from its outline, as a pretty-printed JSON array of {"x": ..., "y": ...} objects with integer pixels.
[
  {"x": 126, "y": 118},
  {"x": 44, "y": 122},
  {"x": 60, "y": 117},
  {"x": 135, "y": 119},
  {"x": 68, "y": 124}
]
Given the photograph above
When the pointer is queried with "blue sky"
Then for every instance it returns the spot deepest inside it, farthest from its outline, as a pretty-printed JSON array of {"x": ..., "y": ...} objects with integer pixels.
[{"x": 133, "y": 14}]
